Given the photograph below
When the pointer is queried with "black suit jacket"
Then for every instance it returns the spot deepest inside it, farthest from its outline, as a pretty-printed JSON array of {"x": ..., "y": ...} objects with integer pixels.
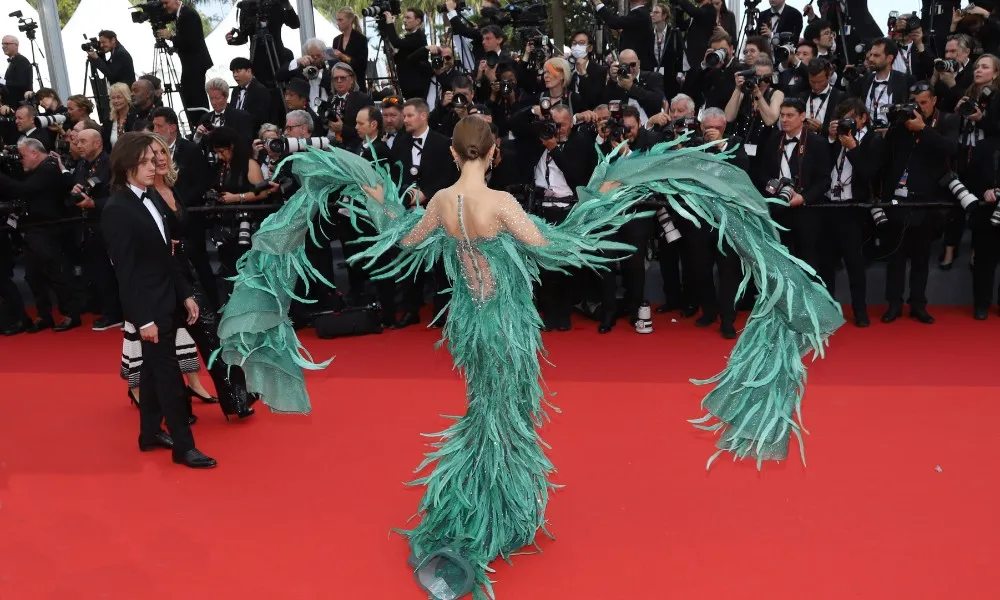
[
  {"x": 150, "y": 281},
  {"x": 832, "y": 100},
  {"x": 790, "y": 21},
  {"x": 43, "y": 190},
  {"x": 18, "y": 78},
  {"x": 354, "y": 102},
  {"x": 189, "y": 41},
  {"x": 45, "y": 137},
  {"x": 437, "y": 167},
  {"x": 647, "y": 90},
  {"x": 948, "y": 97},
  {"x": 899, "y": 87},
  {"x": 701, "y": 26},
  {"x": 636, "y": 31},
  {"x": 193, "y": 173},
  {"x": 378, "y": 150},
  {"x": 117, "y": 68},
  {"x": 237, "y": 119},
  {"x": 866, "y": 164},
  {"x": 256, "y": 102},
  {"x": 925, "y": 156},
  {"x": 357, "y": 50},
  {"x": 414, "y": 84},
  {"x": 813, "y": 158}
]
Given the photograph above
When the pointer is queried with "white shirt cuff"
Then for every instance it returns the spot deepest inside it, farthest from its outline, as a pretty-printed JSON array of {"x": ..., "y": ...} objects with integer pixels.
[
  {"x": 147, "y": 325},
  {"x": 452, "y": 14},
  {"x": 598, "y": 7}
]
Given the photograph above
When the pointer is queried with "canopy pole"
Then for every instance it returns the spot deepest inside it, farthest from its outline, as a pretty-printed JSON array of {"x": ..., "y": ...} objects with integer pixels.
[
  {"x": 48, "y": 16},
  {"x": 307, "y": 25}
]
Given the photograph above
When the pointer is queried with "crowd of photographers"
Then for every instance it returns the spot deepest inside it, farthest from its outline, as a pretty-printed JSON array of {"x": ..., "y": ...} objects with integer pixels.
[{"x": 910, "y": 119}]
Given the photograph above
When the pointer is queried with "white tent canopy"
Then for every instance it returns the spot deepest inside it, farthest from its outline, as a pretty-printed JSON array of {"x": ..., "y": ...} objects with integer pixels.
[
  {"x": 92, "y": 16},
  {"x": 10, "y": 26}
]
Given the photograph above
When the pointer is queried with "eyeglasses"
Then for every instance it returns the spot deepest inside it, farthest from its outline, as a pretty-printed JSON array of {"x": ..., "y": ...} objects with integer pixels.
[
  {"x": 341, "y": 77},
  {"x": 919, "y": 88}
]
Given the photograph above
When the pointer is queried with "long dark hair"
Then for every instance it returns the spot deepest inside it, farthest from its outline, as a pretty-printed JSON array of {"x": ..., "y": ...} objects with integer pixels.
[
  {"x": 126, "y": 156},
  {"x": 242, "y": 152}
]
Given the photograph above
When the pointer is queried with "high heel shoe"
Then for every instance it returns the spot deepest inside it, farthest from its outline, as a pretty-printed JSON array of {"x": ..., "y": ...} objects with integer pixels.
[
  {"x": 239, "y": 402},
  {"x": 133, "y": 399},
  {"x": 205, "y": 399}
]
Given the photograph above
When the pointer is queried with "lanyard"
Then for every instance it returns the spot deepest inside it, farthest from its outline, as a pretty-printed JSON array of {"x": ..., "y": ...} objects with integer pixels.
[{"x": 813, "y": 111}]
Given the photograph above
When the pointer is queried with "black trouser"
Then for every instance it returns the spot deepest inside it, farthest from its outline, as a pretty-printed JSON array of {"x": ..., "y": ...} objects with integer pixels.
[
  {"x": 842, "y": 238},
  {"x": 701, "y": 254},
  {"x": 193, "y": 94},
  {"x": 559, "y": 291},
  {"x": 954, "y": 225},
  {"x": 911, "y": 234},
  {"x": 986, "y": 244},
  {"x": 804, "y": 232},
  {"x": 12, "y": 305},
  {"x": 229, "y": 254},
  {"x": 413, "y": 290},
  {"x": 164, "y": 395},
  {"x": 635, "y": 233},
  {"x": 98, "y": 272},
  {"x": 197, "y": 252},
  {"x": 357, "y": 274},
  {"x": 677, "y": 284},
  {"x": 48, "y": 268}
]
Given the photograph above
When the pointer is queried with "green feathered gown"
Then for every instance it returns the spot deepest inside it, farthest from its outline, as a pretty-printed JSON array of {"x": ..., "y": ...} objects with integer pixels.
[{"x": 486, "y": 495}]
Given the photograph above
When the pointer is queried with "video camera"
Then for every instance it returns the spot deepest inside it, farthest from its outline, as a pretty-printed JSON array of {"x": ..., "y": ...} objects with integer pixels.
[
  {"x": 460, "y": 5},
  {"x": 91, "y": 45},
  {"x": 27, "y": 26},
  {"x": 153, "y": 12},
  {"x": 519, "y": 13},
  {"x": 394, "y": 7}
]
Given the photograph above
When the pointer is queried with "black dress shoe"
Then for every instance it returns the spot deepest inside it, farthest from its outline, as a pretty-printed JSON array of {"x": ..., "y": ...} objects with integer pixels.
[
  {"x": 606, "y": 326},
  {"x": 159, "y": 441},
  {"x": 728, "y": 331},
  {"x": 689, "y": 312},
  {"x": 862, "y": 320},
  {"x": 66, "y": 324},
  {"x": 892, "y": 314},
  {"x": 921, "y": 314},
  {"x": 39, "y": 325},
  {"x": 410, "y": 318},
  {"x": 980, "y": 314},
  {"x": 705, "y": 321},
  {"x": 195, "y": 459},
  {"x": 15, "y": 328}
]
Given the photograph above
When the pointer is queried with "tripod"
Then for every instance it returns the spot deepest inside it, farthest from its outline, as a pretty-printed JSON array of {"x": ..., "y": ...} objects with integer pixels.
[
  {"x": 751, "y": 18},
  {"x": 34, "y": 48},
  {"x": 100, "y": 86},
  {"x": 836, "y": 13},
  {"x": 164, "y": 69},
  {"x": 390, "y": 65},
  {"x": 263, "y": 41}
]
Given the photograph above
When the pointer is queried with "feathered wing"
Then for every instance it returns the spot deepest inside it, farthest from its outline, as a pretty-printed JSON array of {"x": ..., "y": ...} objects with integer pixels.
[
  {"x": 255, "y": 330},
  {"x": 757, "y": 399}
]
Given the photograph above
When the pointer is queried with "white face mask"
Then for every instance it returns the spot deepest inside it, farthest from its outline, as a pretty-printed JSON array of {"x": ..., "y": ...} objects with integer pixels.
[{"x": 579, "y": 51}]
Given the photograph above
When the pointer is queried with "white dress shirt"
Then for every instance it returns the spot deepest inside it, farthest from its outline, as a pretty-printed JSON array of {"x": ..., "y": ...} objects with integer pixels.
[
  {"x": 415, "y": 151},
  {"x": 789, "y": 152},
  {"x": 845, "y": 175},
  {"x": 815, "y": 107}
]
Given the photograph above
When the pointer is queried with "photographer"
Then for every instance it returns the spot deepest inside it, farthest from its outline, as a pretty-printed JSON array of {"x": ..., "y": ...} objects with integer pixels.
[
  {"x": 711, "y": 83},
  {"x": 858, "y": 154},
  {"x": 16, "y": 81},
  {"x": 914, "y": 59},
  {"x": 755, "y": 106},
  {"x": 984, "y": 221},
  {"x": 345, "y": 102},
  {"x": 921, "y": 143},
  {"x": 822, "y": 98},
  {"x": 117, "y": 67},
  {"x": 489, "y": 38},
  {"x": 412, "y": 83},
  {"x": 635, "y": 27},
  {"x": 636, "y": 233},
  {"x": 780, "y": 18},
  {"x": 589, "y": 76},
  {"x": 223, "y": 115},
  {"x": 562, "y": 157},
  {"x": 883, "y": 86},
  {"x": 628, "y": 83},
  {"x": 507, "y": 98},
  {"x": 94, "y": 165},
  {"x": 24, "y": 120},
  {"x": 275, "y": 14},
  {"x": 189, "y": 43},
  {"x": 798, "y": 161},
  {"x": 793, "y": 74},
  {"x": 951, "y": 76},
  {"x": 702, "y": 28},
  {"x": 250, "y": 95},
  {"x": 43, "y": 193},
  {"x": 454, "y": 106}
]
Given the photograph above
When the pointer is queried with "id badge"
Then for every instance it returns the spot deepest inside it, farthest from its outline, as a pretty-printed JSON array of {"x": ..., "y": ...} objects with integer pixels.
[
  {"x": 751, "y": 149},
  {"x": 12, "y": 221}
]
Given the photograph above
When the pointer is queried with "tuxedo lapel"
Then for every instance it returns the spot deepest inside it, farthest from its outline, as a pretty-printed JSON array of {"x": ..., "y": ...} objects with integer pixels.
[{"x": 142, "y": 213}]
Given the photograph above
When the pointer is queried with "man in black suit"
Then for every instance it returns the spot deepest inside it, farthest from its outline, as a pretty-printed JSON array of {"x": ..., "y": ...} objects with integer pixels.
[
  {"x": 635, "y": 26},
  {"x": 858, "y": 154},
  {"x": 919, "y": 151},
  {"x": 24, "y": 120},
  {"x": 712, "y": 85},
  {"x": 345, "y": 101},
  {"x": 193, "y": 179},
  {"x": 44, "y": 191},
  {"x": 117, "y": 67},
  {"x": 702, "y": 27},
  {"x": 802, "y": 157},
  {"x": 413, "y": 82},
  {"x": 280, "y": 13},
  {"x": 222, "y": 114},
  {"x": 950, "y": 85},
  {"x": 883, "y": 86},
  {"x": 424, "y": 156},
  {"x": 642, "y": 89},
  {"x": 780, "y": 18},
  {"x": 822, "y": 98},
  {"x": 143, "y": 104},
  {"x": 153, "y": 290},
  {"x": 17, "y": 78},
  {"x": 250, "y": 95},
  {"x": 189, "y": 43}
]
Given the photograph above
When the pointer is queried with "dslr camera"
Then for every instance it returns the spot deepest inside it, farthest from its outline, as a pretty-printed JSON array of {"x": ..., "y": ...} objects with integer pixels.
[
  {"x": 10, "y": 159},
  {"x": 458, "y": 101},
  {"x": 945, "y": 65},
  {"x": 283, "y": 145},
  {"x": 751, "y": 80},
  {"x": 781, "y": 188},
  {"x": 968, "y": 108},
  {"x": 847, "y": 127},
  {"x": 716, "y": 59},
  {"x": 616, "y": 123},
  {"x": 91, "y": 45},
  {"x": 783, "y": 47},
  {"x": 393, "y": 7},
  {"x": 87, "y": 189},
  {"x": 900, "y": 113},
  {"x": 507, "y": 87},
  {"x": 437, "y": 61},
  {"x": 546, "y": 128}
]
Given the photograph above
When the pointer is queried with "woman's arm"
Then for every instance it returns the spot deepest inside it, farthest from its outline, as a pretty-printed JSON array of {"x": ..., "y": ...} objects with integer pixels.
[
  {"x": 254, "y": 176},
  {"x": 771, "y": 112},
  {"x": 428, "y": 223}
]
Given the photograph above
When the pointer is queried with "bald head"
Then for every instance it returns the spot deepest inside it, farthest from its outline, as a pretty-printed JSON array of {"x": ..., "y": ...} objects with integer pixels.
[
  {"x": 142, "y": 93},
  {"x": 89, "y": 144},
  {"x": 10, "y": 45},
  {"x": 629, "y": 57}
]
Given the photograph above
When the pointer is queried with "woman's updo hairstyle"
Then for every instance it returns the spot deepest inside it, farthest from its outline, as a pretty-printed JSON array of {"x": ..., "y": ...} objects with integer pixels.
[{"x": 472, "y": 138}]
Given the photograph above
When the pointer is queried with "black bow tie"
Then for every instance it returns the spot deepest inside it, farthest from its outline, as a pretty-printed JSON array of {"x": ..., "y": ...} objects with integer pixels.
[
  {"x": 418, "y": 143},
  {"x": 791, "y": 141},
  {"x": 819, "y": 96},
  {"x": 886, "y": 82}
]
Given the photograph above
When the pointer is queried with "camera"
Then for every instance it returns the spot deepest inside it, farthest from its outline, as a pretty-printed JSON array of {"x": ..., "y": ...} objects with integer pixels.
[
  {"x": 459, "y": 7},
  {"x": 393, "y": 7},
  {"x": 945, "y": 65},
  {"x": 9, "y": 154},
  {"x": 153, "y": 12},
  {"x": 546, "y": 128},
  {"x": 750, "y": 80},
  {"x": 330, "y": 110},
  {"x": 311, "y": 72},
  {"x": 437, "y": 61},
  {"x": 458, "y": 101},
  {"x": 27, "y": 26},
  {"x": 957, "y": 189},
  {"x": 91, "y": 45},
  {"x": 968, "y": 108},
  {"x": 995, "y": 215},
  {"x": 624, "y": 71},
  {"x": 44, "y": 121},
  {"x": 716, "y": 59},
  {"x": 492, "y": 59},
  {"x": 783, "y": 47},
  {"x": 900, "y": 113},
  {"x": 854, "y": 73},
  {"x": 283, "y": 145},
  {"x": 521, "y": 13},
  {"x": 781, "y": 188},
  {"x": 616, "y": 122},
  {"x": 666, "y": 222},
  {"x": 507, "y": 87},
  {"x": 847, "y": 127},
  {"x": 878, "y": 216},
  {"x": 87, "y": 189}
]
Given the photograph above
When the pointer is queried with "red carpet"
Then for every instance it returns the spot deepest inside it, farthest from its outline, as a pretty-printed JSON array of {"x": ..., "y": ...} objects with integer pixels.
[{"x": 898, "y": 499}]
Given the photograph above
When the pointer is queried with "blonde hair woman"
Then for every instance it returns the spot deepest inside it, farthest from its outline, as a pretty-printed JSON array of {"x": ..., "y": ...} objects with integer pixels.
[
  {"x": 351, "y": 46},
  {"x": 230, "y": 384},
  {"x": 120, "y": 119}
]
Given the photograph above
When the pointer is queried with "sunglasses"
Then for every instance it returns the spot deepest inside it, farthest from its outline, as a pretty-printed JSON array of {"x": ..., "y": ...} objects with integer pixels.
[
  {"x": 920, "y": 88},
  {"x": 391, "y": 101}
]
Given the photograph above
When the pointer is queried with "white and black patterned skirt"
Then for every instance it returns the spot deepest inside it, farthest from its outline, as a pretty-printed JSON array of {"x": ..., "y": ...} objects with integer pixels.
[{"x": 187, "y": 354}]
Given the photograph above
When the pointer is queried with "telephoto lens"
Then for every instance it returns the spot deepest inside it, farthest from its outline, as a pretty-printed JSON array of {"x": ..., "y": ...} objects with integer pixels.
[
  {"x": 961, "y": 193},
  {"x": 715, "y": 58},
  {"x": 878, "y": 215},
  {"x": 644, "y": 319},
  {"x": 946, "y": 65},
  {"x": 666, "y": 222},
  {"x": 780, "y": 188},
  {"x": 243, "y": 238}
]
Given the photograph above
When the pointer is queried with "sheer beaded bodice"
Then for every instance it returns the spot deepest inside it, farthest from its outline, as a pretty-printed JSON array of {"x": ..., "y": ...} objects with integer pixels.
[{"x": 475, "y": 266}]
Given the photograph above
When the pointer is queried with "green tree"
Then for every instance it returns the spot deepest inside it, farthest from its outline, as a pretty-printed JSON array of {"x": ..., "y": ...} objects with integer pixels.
[{"x": 68, "y": 7}]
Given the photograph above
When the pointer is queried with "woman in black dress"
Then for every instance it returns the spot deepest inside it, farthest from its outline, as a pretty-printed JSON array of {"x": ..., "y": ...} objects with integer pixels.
[
  {"x": 351, "y": 46},
  {"x": 230, "y": 382}
]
